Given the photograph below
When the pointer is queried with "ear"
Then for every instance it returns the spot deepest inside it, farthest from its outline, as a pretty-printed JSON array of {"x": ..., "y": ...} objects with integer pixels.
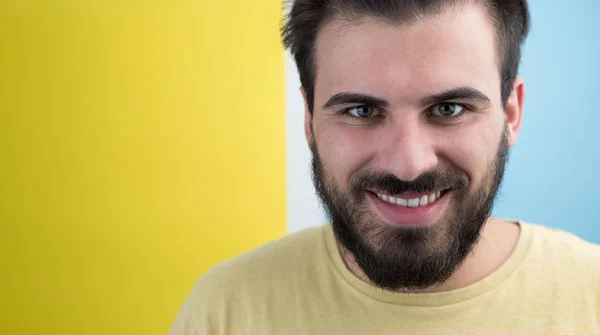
[
  {"x": 307, "y": 120},
  {"x": 514, "y": 110}
]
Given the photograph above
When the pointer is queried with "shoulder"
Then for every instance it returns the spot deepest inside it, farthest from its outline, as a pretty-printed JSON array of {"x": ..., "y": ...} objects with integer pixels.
[
  {"x": 565, "y": 242},
  {"x": 287, "y": 253},
  {"x": 564, "y": 249},
  {"x": 255, "y": 272},
  {"x": 234, "y": 290}
]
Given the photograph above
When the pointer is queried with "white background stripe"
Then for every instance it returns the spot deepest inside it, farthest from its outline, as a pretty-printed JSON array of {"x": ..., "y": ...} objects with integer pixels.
[{"x": 303, "y": 208}]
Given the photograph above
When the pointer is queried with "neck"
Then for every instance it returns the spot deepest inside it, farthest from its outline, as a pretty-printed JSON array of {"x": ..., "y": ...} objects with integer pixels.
[{"x": 497, "y": 242}]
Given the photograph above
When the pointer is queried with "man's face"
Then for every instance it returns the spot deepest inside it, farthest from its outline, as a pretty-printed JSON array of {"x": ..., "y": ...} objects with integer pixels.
[{"x": 412, "y": 115}]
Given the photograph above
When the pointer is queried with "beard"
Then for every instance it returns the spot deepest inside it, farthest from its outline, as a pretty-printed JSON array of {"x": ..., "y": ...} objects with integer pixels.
[{"x": 409, "y": 258}]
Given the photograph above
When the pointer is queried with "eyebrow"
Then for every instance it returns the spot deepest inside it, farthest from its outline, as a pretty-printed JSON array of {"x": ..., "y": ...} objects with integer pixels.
[
  {"x": 459, "y": 93},
  {"x": 346, "y": 98}
]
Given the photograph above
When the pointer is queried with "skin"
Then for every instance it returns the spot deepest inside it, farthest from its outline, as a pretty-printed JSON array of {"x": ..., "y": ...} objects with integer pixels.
[{"x": 401, "y": 65}]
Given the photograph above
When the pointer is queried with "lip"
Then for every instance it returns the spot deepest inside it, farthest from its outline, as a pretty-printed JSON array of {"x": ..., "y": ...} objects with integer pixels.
[{"x": 421, "y": 216}]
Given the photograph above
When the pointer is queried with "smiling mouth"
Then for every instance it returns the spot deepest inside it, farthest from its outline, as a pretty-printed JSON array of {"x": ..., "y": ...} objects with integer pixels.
[{"x": 424, "y": 200}]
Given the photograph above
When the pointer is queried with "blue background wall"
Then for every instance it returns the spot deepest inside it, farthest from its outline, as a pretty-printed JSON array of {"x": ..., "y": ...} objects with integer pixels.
[{"x": 552, "y": 178}]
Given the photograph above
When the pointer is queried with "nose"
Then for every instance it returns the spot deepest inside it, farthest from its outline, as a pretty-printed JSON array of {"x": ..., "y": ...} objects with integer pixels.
[{"x": 407, "y": 149}]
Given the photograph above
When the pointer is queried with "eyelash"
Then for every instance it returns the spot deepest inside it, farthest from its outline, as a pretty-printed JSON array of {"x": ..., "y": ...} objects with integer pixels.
[
  {"x": 466, "y": 109},
  {"x": 346, "y": 113}
]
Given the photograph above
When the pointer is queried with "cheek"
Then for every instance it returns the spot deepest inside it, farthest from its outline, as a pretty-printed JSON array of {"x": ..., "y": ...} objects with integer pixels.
[
  {"x": 473, "y": 149},
  {"x": 343, "y": 150}
]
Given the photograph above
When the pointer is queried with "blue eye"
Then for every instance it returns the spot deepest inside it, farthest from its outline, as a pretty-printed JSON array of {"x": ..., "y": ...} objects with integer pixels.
[
  {"x": 362, "y": 111},
  {"x": 448, "y": 110}
]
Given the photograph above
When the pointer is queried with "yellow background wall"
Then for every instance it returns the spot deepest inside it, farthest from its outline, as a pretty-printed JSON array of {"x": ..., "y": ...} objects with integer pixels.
[{"x": 140, "y": 142}]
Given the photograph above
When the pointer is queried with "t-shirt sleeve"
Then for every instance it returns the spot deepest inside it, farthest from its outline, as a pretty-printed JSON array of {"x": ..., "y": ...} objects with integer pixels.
[
  {"x": 187, "y": 321},
  {"x": 202, "y": 310}
]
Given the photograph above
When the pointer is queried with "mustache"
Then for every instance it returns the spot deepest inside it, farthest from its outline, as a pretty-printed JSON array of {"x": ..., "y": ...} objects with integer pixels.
[{"x": 428, "y": 182}]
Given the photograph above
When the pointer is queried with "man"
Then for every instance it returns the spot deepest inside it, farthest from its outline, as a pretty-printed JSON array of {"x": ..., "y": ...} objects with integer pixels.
[{"x": 411, "y": 107}]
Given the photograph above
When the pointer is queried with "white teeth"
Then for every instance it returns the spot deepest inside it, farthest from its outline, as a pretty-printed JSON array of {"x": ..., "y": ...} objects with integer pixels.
[{"x": 412, "y": 203}]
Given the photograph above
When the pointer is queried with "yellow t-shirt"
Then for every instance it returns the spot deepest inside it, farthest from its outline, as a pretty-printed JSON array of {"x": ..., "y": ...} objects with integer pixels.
[{"x": 300, "y": 285}]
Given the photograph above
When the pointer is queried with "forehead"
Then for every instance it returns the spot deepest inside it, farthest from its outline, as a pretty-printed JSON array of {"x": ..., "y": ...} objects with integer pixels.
[{"x": 405, "y": 62}]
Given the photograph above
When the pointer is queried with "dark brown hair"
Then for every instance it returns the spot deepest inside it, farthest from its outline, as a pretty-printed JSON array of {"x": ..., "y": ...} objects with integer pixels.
[{"x": 307, "y": 17}]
